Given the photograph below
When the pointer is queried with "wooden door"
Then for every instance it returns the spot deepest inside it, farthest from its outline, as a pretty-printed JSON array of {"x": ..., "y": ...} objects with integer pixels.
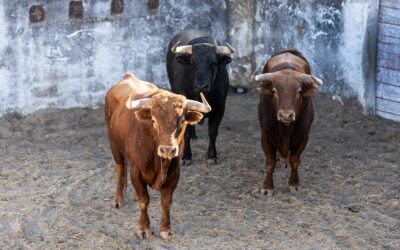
[{"x": 388, "y": 61}]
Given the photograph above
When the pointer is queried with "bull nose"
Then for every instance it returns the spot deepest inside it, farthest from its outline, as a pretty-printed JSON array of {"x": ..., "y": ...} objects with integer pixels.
[
  {"x": 168, "y": 151},
  {"x": 202, "y": 88},
  {"x": 286, "y": 116}
]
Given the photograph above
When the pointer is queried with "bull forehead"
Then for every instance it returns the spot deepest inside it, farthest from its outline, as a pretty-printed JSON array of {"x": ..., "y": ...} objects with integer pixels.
[
  {"x": 287, "y": 81},
  {"x": 167, "y": 106},
  {"x": 204, "y": 51}
]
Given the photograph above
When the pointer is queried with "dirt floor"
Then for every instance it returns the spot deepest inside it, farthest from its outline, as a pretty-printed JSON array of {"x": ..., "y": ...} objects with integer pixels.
[{"x": 57, "y": 184}]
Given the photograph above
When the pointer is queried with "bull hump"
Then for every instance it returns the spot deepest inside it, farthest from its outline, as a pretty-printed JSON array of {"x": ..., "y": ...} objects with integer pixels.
[{"x": 140, "y": 88}]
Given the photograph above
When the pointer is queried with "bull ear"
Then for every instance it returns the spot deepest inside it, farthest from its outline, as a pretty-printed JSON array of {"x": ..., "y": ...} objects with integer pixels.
[
  {"x": 193, "y": 117},
  {"x": 183, "y": 59},
  {"x": 265, "y": 88},
  {"x": 308, "y": 89},
  {"x": 224, "y": 59},
  {"x": 310, "y": 84},
  {"x": 143, "y": 114}
]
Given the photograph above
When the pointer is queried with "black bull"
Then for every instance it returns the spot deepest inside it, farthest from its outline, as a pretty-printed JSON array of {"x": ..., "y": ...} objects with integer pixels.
[{"x": 196, "y": 63}]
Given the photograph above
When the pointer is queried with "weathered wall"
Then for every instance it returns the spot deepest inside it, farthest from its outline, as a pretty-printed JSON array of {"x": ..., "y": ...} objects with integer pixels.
[
  {"x": 337, "y": 36},
  {"x": 65, "y": 62}
]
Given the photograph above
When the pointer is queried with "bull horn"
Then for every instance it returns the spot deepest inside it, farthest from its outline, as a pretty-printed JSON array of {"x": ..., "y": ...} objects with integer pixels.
[
  {"x": 261, "y": 77},
  {"x": 225, "y": 50},
  {"x": 230, "y": 47},
  {"x": 253, "y": 76},
  {"x": 185, "y": 49},
  {"x": 311, "y": 79},
  {"x": 203, "y": 107},
  {"x": 137, "y": 104}
]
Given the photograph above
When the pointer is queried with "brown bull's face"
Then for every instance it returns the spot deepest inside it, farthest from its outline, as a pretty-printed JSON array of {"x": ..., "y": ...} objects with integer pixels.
[
  {"x": 288, "y": 89},
  {"x": 169, "y": 118}
]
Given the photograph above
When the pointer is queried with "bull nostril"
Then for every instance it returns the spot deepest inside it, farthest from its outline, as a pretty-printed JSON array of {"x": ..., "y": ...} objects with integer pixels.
[
  {"x": 286, "y": 115},
  {"x": 162, "y": 150},
  {"x": 173, "y": 151}
]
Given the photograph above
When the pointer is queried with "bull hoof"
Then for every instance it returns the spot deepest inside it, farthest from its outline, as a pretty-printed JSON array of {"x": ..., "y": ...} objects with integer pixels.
[
  {"x": 186, "y": 162},
  {"x": 143, "y": 233},
  {"x": 294, "y": 188},
  {"x": 117, "y": 203},
  {"x": 212, "y": 161},
  {"x": 165, "y": 235},
  {"x": 267, "y": 192}
]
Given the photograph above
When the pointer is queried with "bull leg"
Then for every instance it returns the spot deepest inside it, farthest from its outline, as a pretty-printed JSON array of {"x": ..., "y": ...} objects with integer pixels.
[
  {"x": 213, "y": 124},
  {"x": 143, "y": 228},
  {"x": 120, "y": 170},
  {"x": 294, "y": 180},
  {"x": 193, "y": 134},
  {"x": 166, "y": 192},
  {"x": 187, "y": 152},
  {"x": 270, "y": 163}
]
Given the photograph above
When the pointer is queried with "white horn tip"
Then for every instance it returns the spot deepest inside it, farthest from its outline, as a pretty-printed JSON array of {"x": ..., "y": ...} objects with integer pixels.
[
  {"x": 319, "y": 81},
  {"x": 204, "y": 100},
  {"x": 128, "y": 104}
]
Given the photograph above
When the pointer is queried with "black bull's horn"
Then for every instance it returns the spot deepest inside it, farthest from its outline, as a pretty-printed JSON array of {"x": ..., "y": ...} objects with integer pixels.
[{"x": 187, "y": 49}]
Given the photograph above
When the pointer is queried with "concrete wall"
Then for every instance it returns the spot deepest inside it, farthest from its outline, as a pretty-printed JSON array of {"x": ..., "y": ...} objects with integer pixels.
[
  {"x": 65, "y": 62},
  {"x": 337, "y": 36}
]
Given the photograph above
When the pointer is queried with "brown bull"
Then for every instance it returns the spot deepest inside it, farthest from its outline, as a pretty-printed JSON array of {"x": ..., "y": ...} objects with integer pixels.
[
  {"x": 145, "y": 128},
  {"x": 285, "y": 112}
]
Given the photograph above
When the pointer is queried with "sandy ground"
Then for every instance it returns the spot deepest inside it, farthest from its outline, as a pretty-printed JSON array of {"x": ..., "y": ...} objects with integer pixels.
[{"x": 57, "y": 183}]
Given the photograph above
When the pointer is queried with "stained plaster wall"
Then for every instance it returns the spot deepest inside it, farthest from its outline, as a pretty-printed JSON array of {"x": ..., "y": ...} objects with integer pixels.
[
  {"x": 65, "y": 62},
  {"x": 338, "y": 37}
]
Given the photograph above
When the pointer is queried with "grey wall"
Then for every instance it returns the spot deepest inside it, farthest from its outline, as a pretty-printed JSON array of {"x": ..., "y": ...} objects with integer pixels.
[
  {"x": 65, "y": 62},
  {"x": 337, "y": 36}
]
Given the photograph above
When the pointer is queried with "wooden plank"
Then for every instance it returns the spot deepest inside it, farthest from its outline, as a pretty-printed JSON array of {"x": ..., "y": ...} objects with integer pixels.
[
  {"x": 389, "y": 15},
  {"x": 389, "y": 48},
  {"x": 388, "y": 60},
  {"x": 388, "y": 116},
  {"x": 388, "y": 92},
  {"x": 390, "y": 30},
  {"x": 390, "y": 3},
  {"x": 388, "y": 106},
  {"x": 389, "y": 40},
  {"x": 390, "y": 76}
]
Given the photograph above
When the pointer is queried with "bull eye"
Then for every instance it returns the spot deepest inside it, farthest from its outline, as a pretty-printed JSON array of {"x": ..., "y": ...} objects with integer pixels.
[
  {"x": 274, "y": 91},
  {"x": 298, "y": 92},
  {"x": 179, "y": 126}
]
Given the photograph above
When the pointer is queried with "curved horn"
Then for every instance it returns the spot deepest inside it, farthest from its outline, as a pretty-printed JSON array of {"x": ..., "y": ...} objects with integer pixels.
[
  {"x": 173, "y": 49},
  {"x": 184, "y": 49},
  {"x": 253, "y": 76},
  {"x": 140, "y": 103},
  {"x": 230, "y": 47},
  {"x": 311, "y": 79},
  {"x": 261, "y": 77},
  {"x": 198, "y": 106},
  {"x": 225, "y": 50}
]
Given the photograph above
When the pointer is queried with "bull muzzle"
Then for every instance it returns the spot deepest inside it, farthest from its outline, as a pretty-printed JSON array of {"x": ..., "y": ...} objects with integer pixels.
[
  {"x": 204, "y": 88},
  {"x": 286, "y": 116},
  {"x": 168, "y": 152}
]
